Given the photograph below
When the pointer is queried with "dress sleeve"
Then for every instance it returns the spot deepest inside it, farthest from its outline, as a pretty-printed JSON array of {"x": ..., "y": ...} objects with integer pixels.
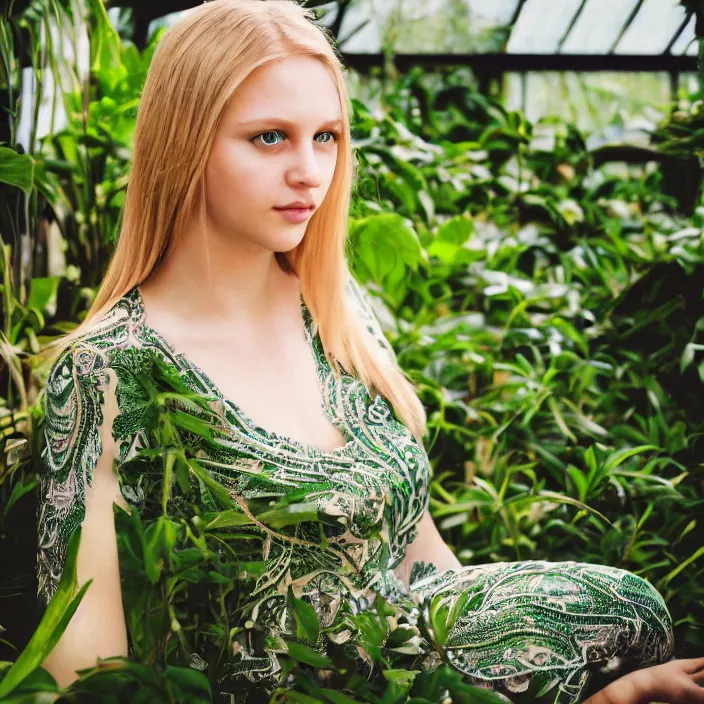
[
  {"x": 360, "y": 302},
  {"x": 72, "y": 444}
]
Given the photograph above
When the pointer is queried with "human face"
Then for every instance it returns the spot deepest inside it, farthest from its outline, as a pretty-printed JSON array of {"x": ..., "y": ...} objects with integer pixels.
[{"x": 276, "y": 144}]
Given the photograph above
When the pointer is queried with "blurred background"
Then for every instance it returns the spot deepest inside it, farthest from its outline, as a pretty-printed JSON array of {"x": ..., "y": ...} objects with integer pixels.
[{"x": 527, "y": 219}]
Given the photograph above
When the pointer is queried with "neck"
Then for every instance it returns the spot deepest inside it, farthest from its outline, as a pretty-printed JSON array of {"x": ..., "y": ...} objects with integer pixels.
[{"x": 225, "y": 282}]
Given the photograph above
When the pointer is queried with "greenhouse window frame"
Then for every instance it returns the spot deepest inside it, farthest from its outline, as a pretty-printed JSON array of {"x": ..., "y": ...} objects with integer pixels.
[{"x": 524, "y": 63}]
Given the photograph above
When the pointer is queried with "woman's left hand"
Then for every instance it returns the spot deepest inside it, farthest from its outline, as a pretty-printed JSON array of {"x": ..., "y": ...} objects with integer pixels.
[{"x": 673, "y": 682}]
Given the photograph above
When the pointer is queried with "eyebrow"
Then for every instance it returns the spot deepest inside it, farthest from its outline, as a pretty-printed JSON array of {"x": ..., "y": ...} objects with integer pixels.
[{"x": 287, "y": 123}]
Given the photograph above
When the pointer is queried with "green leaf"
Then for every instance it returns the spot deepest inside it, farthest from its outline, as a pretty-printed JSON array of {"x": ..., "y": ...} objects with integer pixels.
[
  {"x": 337, "y": 697},
  {"x": 159, "y": 544},
  {"x": 294, "y": 696},
  {"x": 682, "y": 566},
  {"x": 191, "y": 423},
  {"x": 16, "y": 169},
  {"x": 54, "y": 622},
  {"x": 620, "y": 456},
  {"x": 385, "y": 242},
  {"x": 193, "y": 684},
  {"x": 278, "y": 517},
  {"x": 307, "y": 622},
  {"x": 18, "y": 491},
  {"x": 215, "y": 488},
  {"x": 307, "y": 655},
  {"x": 580, "y": 481},
  {"x": 105, "y": 48},
  {"x": 401, "y": 677},
  {"x": 225, "y": 519},
  {"x": 456, "y": 230},
  {"x": 42, "y": 292}
]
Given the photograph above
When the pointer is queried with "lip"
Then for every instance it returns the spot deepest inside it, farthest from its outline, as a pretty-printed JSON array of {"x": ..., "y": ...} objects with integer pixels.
[
  {"x": 296, "y": 214},
  {"x": 298, "y": 205}
]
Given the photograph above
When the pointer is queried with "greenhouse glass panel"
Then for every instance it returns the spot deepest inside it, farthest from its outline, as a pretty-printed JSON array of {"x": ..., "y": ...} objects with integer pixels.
[
  {"x": 686, "y": 39},
  {"x": 610, "y": 105},
  {"x": 652, "y": 28},
  {"x": 424, "y": 26},
  {"x": 598, "y": 27},
  {"x": 541, "y": 25},
  {"x": 497, "y": 12},
  {"x": 368, "y": 39}
]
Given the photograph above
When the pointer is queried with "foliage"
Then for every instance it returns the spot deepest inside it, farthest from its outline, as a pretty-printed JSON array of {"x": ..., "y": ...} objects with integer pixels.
[
  {"x": 552, "y": 315},
  {"x": 549, "y": 309}
]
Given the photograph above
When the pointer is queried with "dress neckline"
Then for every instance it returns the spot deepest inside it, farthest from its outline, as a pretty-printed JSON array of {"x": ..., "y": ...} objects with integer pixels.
[{"x": 271, "y": 436}]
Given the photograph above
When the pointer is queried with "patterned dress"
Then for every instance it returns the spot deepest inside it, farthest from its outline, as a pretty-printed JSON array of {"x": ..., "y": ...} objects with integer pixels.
[{"x": 514, "y": 622}]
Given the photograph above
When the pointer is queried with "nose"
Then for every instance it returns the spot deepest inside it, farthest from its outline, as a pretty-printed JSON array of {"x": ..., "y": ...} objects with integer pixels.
[{"x": 305, "y": 168}]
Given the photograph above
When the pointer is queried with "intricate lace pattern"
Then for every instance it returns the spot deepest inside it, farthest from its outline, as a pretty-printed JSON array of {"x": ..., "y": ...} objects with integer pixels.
[{"x": 516, "y": 620}]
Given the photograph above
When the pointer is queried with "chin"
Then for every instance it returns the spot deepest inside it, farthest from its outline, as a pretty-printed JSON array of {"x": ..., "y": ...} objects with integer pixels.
[{"x": 287, "y": 242}]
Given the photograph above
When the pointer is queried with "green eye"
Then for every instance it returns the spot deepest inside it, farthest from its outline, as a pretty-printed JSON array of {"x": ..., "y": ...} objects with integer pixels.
[
  {"x": 335, "y": 137},
  {"x": 255, "y": 139}
]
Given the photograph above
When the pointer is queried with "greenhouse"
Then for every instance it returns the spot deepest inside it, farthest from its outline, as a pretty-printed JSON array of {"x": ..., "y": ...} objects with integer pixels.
[{"x": 411, "y": 415}]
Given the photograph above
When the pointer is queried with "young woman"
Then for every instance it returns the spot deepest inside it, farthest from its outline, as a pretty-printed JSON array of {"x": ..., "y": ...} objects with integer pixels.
[{"x": 231, "y": 264}]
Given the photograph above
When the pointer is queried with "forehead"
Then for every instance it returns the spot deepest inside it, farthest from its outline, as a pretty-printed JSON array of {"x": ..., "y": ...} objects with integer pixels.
[{"x": 295, "y": 88}]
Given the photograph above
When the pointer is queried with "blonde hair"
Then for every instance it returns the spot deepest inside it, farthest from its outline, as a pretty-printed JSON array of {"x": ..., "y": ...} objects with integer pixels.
[{"x": 200, "y": 62}]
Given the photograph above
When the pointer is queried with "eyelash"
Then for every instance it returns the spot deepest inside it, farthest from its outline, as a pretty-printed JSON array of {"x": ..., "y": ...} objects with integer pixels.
[{"x": 336, "y": 137}]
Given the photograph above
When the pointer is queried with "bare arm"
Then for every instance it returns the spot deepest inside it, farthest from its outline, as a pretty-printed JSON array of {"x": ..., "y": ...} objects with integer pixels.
[
  {"x": 604, "y": 697},
  {"x": 673, "y": 682},
  {"x": 98, "y": 627},
  {"x": 428, "y": 547}
]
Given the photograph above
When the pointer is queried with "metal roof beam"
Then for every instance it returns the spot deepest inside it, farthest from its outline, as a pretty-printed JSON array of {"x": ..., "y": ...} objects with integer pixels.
[
  {"x": 563, "y": 38},
  {"x": 512, "y": 23},
  {"x": 626, "y": 25},
  {"x": 522, "y": 63},
  {"x": 677, "y": 34},
  {"x": 517, "y": 12}
]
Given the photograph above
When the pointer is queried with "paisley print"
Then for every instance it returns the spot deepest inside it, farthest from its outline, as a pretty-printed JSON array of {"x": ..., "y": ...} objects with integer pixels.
[{"x": 511, "y": 622}]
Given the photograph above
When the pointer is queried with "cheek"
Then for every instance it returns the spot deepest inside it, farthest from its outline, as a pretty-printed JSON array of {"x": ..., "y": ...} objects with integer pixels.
[{"x": 232, "y": 173}]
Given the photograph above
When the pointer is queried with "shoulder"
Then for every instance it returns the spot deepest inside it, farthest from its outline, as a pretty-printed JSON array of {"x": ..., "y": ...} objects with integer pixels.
[
  {"x": 73, "y": 409},
  {"x": 79, "y": 385},
  {"x": 86, "y": 358}
]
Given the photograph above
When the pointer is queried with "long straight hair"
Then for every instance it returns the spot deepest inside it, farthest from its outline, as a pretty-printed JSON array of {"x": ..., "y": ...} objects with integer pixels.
[{"x": 197, "y": 66}]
